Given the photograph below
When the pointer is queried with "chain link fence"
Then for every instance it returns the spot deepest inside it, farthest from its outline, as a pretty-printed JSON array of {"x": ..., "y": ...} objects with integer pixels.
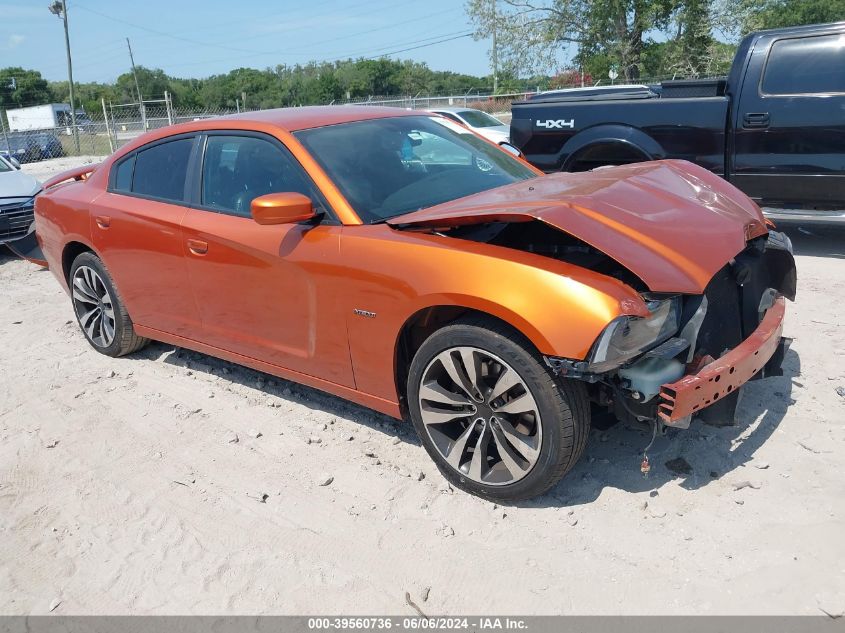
[
  {"x": 97, "y": 133},
  {"x": 488, "y": 103}
]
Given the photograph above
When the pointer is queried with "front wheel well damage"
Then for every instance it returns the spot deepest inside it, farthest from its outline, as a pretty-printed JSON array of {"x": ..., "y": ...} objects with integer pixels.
[{"x": 423, "y": 324}]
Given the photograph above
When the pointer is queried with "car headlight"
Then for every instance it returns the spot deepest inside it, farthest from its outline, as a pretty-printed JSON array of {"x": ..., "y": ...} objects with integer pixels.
[{"x": 627, "y": 337}]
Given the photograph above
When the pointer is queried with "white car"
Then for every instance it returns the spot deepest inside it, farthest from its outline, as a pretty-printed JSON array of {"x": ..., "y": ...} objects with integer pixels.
[
  {"x": 479, "y": 122},
  {"x": 17, "y": 194}
]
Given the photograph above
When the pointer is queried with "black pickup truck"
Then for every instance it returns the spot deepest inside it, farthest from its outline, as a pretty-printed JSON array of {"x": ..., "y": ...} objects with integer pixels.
[{"x": 775, "y": 127}]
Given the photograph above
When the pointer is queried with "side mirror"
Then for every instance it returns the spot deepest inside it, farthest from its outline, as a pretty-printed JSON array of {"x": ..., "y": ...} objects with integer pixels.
[
  {"x": 510, "y": 149},
  {"x": 282, "y": 208}
]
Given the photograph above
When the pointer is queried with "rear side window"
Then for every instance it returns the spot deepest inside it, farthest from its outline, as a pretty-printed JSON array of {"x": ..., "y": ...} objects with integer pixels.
[
  {"x": 123, "y": 174},
  {"x": 807, "y": 65},
  {"x": 160, "y": 170}
]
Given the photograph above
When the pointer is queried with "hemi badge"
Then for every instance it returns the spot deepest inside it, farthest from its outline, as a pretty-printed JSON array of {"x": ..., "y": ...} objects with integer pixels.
[{"x": 364, "y": 313}]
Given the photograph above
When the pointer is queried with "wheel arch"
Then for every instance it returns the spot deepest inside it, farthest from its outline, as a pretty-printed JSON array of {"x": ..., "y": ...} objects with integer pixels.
[
  {"x": 70, "y": 252},
  {"x": 425, "y": 321},
  {"x": 623, "y": 138}
]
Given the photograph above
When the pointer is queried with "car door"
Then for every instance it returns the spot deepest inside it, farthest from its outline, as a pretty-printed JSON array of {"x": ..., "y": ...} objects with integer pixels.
[
  {"x": 790, "y": 127},
  {"x": 136, "y": 229},
  {"x": 268, "y": 292}
]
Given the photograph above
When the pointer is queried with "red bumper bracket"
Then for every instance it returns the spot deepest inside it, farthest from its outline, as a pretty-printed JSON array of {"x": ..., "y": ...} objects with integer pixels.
[{"x": 724, "y": 375}]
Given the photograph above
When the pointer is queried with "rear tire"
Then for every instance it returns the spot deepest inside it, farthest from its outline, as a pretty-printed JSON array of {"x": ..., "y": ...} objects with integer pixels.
[
  {"x": 506, "y": 429},
  {"x": 99, "y": 309}
]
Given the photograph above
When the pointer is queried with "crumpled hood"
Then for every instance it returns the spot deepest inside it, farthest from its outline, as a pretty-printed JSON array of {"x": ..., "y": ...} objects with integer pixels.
[{"x": 671, "y": 223}]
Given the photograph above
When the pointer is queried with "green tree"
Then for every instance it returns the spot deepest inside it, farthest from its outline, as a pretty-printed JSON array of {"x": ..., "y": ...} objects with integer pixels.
[
  {"x": 21, "y": 88},
  {"x": 531, "y": 34},
  {"x": 86, "y": 95},
  {"x": 151, "y": 82},
  {"x": 695, "y": 37},
  {"x": 754, "y": 15}
]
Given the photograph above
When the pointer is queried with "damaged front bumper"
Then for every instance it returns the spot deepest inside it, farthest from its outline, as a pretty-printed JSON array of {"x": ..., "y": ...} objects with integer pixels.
[
  {"x": 727, "y": 336},
  {"x": 721, "y": 377}
]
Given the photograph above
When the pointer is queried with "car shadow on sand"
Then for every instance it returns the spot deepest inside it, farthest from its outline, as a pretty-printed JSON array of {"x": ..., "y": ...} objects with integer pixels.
[
  {"x": 272, "y": 389},
  {"x": 697, "y": 456},
  {"x": 6, "y": 255}
]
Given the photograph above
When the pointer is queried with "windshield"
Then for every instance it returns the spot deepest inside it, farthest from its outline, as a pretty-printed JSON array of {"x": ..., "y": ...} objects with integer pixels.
[
  {"x": 477, "y": 118},
  {"x": 388, "y": 167}
]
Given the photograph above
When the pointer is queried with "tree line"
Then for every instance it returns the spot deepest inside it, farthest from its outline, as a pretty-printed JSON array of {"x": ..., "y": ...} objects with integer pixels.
[
  {"x": 634, "y": 38},
  {"x": 279, "y": 86},
  {"x": 637, "y": 38}
]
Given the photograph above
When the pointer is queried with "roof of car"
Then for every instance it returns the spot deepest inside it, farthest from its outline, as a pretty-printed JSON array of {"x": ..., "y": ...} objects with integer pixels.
[
  {"x": 293, "y": 119},
  {"x": 286, "y": 119}
]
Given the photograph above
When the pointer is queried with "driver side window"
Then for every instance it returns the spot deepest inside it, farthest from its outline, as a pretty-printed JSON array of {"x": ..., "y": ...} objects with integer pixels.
[{"x": 238, "y": 169}]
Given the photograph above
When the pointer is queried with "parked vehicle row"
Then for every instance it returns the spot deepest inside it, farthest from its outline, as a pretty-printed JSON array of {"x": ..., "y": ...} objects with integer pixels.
[
  {"x": 30, "y": 147},
  {"x": 398, "y": 260},
  {"x": 480, "y": 122},
  {"x": 774, "y": 128}
]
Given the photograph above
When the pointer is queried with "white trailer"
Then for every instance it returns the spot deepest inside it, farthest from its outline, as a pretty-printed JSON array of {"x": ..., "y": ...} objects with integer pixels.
[{"x": 44, "y": 117}]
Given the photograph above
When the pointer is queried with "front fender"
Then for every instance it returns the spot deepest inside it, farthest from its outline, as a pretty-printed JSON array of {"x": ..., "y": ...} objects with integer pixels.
[{"x": 559, "y": 307}]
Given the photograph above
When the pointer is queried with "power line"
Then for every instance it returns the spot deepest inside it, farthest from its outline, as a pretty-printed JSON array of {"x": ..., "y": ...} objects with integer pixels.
[
  {"x": 382, "y": 28},
  {"x": 449, "y": 36},
  {"x": 216, "y": 45},
  {"x": 163, "y": 34},
  {"x": 378, "y": 52},
  {"x": 413, "y": 48}
]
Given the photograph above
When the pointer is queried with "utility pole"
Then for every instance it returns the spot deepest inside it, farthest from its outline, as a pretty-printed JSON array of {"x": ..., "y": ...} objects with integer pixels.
[
  {"x": 495, "y": 51},
  {"x": 59, "y": 8},
  {"x": 137, "y": 87}
]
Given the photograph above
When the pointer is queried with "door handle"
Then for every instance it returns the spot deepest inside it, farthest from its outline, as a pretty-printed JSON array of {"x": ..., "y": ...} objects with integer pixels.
[
  {"x": 756, "y": 119},
  {"x": 103, "y": 221},
  {"x": 198, "y": 247}
]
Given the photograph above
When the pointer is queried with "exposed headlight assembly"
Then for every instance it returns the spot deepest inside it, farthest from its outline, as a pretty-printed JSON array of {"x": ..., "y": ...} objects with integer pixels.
[{"x": 627, "y": 337}]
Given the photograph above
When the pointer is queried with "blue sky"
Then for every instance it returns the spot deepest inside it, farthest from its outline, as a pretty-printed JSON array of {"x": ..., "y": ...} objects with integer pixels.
[{"x": 188, "y": 38}]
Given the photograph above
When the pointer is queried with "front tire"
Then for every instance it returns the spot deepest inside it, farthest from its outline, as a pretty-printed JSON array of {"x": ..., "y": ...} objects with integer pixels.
[
  {"x": 491, "y": 415},
  {"x": 99, "y": 308}
]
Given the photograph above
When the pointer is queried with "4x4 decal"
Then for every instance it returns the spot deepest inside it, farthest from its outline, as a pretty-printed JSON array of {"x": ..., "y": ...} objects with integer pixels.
[{"x": 550, "y": 124}]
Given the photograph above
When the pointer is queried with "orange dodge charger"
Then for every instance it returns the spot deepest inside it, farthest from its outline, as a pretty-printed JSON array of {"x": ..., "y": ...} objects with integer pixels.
[{"x": 398, "y": 260}]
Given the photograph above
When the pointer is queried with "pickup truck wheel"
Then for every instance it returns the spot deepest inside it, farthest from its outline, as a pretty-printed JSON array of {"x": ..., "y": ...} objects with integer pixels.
[
  {"x": 99, "y": 309},
  {"x": 491, "y": 415}
]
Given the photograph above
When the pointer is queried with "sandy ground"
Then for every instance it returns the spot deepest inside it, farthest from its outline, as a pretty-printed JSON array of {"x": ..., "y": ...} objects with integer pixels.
[{"x": 122, "y": 490}]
